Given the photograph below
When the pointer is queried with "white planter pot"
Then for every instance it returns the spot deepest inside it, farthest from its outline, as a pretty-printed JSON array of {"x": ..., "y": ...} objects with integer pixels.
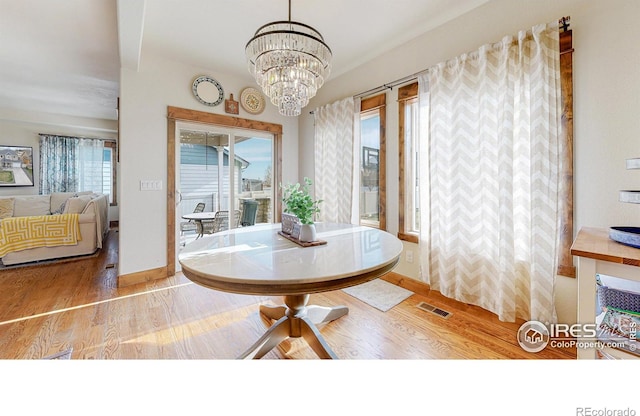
[{"x": 307, "y": 233}]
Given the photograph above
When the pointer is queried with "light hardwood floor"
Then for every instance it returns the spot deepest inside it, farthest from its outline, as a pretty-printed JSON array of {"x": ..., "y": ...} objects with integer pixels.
[{"x": 77, "y": 304}]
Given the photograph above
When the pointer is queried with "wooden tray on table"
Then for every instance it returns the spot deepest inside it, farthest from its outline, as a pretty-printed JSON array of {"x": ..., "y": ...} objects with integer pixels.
[{"x": 302, "y": 243}]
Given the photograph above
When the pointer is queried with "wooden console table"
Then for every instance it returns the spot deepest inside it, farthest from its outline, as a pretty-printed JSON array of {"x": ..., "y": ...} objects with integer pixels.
[{"x": 598, "y": 254}]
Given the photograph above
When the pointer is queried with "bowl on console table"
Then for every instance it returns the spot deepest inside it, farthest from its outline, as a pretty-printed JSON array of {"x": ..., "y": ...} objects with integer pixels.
[{"x": 629, "y": 236}]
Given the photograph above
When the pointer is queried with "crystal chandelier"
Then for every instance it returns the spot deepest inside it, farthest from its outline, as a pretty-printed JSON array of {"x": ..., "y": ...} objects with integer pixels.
[{"x": 290, "y": 62}]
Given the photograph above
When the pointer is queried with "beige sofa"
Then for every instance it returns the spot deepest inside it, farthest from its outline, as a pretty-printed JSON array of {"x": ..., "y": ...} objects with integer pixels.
[{"x": 93, "y": 222}]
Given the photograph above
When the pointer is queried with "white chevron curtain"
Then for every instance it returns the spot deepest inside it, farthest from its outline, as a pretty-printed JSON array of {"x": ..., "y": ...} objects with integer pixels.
[
  {"x": 489, "y": 235},
  {"x": 334, "y": 164}
]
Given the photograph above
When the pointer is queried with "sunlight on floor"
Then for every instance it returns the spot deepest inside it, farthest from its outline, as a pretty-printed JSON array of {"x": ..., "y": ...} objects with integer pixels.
[
  {"x": 72, "y": 308},
  {"x": 194, "y": 328}
]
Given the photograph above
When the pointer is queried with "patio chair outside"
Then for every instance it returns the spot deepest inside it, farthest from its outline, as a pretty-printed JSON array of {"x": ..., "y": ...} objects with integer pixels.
[
  {"x": 190, "y": 225},
  {"x": 219, "y": 223},
  {"x": 249, "y": 212}
]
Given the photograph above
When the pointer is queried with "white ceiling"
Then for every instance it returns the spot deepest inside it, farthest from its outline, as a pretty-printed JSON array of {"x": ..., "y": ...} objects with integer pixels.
[
  {"x": 64, "y": 56},
  {"x": 59, "y": 56}
]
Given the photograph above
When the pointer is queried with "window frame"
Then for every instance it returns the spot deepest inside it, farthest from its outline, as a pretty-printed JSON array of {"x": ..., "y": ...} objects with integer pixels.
[
  {"x": 406, "y": 94},
  {"x": 367, "y": 107}
]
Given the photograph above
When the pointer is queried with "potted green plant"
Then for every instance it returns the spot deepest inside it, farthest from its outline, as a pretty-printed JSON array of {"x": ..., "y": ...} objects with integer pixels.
[{"x": 297, "y": 200}]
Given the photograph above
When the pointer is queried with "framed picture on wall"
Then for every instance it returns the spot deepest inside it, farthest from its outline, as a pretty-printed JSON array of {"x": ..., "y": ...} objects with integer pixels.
[{"x": 16, "y": 166}]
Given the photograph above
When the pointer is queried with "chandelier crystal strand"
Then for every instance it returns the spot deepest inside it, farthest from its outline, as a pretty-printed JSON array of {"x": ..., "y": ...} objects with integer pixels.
[{"x": 290, "y": 62}]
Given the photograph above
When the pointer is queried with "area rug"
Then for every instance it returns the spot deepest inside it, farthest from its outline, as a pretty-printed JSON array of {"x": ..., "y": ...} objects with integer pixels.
[{"x": 378, "y": 293}]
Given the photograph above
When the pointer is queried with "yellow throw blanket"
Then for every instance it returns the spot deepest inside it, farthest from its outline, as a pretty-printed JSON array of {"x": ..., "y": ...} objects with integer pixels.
[{"x": 21, "y": 233}]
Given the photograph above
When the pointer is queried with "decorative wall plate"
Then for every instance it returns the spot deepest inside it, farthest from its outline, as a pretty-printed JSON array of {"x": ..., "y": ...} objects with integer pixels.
[
  {"x": 207, "y": 90},
  {"x": 252, "y": 101}
]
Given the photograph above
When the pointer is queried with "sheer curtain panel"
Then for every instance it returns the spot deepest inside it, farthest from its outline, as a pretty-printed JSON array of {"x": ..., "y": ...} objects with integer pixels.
[
  {"x": 489, "y": 236},
  {"x": 334, "y": 160},
  {"x": 91, "y": 160}
]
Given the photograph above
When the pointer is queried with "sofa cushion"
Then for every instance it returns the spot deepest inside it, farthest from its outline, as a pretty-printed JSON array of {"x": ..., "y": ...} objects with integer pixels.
[
  {"x": 58, "y": 200},
  {"x": 59, "y": 210},
  {"x": 6, "y": 207},
  {"x": 25, "y": 206},
  {"x": 76, "y": 205}
]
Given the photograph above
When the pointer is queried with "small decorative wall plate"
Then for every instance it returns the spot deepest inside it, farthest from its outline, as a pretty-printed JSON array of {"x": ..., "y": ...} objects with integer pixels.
[
  {"x": 231, "y": 106},
  {"x": 252, "y": 101},
  {"x": 207, "y": 90}
]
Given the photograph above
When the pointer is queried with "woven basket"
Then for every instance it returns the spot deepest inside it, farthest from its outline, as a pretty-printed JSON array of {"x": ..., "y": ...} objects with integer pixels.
[
  {"x": 288, "y": 221},
  {"x": 619, "y": 299}
]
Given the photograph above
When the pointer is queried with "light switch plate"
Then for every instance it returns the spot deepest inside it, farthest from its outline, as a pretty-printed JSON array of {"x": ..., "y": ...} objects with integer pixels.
[{"x": 153, "y": 185}]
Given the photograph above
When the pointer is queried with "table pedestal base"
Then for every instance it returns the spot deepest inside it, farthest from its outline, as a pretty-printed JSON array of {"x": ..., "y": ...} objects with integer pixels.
[{"x": 294, "y": 320}]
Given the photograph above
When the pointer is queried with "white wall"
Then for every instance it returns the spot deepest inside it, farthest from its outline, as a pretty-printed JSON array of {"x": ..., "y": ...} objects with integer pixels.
[
  {"x": 606, "y": 38},
  {"x": 144, "y": 97},
  {"x": 21, "y": 128}
]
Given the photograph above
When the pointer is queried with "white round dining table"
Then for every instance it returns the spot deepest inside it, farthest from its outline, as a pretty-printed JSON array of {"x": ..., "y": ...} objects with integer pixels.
[{"x": 257, "y": 260}]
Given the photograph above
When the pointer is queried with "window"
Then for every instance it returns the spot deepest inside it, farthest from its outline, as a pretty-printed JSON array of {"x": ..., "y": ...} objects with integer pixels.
[
  {"x": 372, "y": 200},
  {"x": 109, "y": 172},
  {"x": 73, "y": 164},
  {"x": 409, "y": 209},
  {"x": 224, "y": 169}
]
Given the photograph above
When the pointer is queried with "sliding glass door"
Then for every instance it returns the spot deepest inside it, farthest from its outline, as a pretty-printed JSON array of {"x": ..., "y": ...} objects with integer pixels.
[{"x": 228, "y": 170}]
